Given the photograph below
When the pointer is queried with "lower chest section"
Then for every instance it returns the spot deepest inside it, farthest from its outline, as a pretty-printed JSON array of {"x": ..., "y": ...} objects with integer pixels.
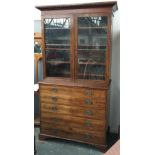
[{"x": 73, "y": 113}]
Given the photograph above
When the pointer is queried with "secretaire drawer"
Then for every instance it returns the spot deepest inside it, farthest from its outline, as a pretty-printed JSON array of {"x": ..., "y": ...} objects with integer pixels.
[{"x": 73, "y": 111}]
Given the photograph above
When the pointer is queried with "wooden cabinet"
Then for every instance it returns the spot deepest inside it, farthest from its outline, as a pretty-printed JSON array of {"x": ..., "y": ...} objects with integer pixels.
[{"x": 76, "y": 58}]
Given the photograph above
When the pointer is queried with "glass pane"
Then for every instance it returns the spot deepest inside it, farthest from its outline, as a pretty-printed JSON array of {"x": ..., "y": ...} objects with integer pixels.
[
  {"x": 58, "y": 63},
  {"x": 57, "y": 44},
  {"x": 57, "y": 32},
  {"x": 98, "y": 21},
  {"x": 92, "y": 40},
  {"x": 58, "y": 70}
]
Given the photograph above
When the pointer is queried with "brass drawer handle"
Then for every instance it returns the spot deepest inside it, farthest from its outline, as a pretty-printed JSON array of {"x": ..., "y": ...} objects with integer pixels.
[
  {"x": 88, "y": 123},
  {"x": 88, "y": 92},
  {"x": 55, "y": 131},
  {"x": 54, "y": 108},
  {"x": 54, "y": 99},
  {"x": 55, "y": 120},
  {"x": 87, "y": 136},
  {"x": 88, "y": 101},
  {"x": 54, "y": 89},
  {"x": 88, "y": 112}
]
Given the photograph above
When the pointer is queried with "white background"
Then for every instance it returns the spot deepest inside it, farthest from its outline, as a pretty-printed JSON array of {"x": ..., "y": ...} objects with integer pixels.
[{"x": 137, "y": 77}]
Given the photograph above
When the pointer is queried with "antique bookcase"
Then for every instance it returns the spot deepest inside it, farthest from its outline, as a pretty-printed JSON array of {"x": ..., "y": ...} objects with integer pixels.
[{"x": 76, "y": 61}]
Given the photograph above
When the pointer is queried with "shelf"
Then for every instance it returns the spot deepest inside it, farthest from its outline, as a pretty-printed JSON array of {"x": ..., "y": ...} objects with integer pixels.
[
  {"x": 103, "y": 27},
  {"x": 90, "y": 45},
  {"x": 91, "y": 63},
  {"x": 50, "y": 28},
  {"x": 57, "y": 49},
  {"x": 80, "y": 74},
  {"x": 91, "y": 50},
  {"x": 64, "y": 75},
  {"x": 58, "y": 62},
  {"x": 58, "y": 44}
]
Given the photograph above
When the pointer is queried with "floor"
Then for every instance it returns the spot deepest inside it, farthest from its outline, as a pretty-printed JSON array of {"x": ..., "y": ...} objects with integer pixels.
[{"x": 63, "y": 147}]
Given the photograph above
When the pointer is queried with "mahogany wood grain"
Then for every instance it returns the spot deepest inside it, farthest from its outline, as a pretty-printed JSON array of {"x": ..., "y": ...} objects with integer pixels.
[
  {"x": 92, "y": 138},
  {"x": 111, "y": 4},
  {"x": 98, "y": 104},
  {"x": 67, "y": 82},
  {"x": 72, "y": 110},
  {"x": 78, "y": 122},
  {"x": 43, "y": 46},
  {"x": 69, "y": 128},
  {"x": 77, "y": 92}
]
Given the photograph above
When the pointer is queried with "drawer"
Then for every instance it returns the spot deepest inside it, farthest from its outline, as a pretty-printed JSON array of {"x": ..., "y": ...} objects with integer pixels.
[
  {"x": 73, "y": 134},
  {"x": 72, "y": 110},
  {"x": 78, "y": 122},
  {"x": 44, "y": 94},
  {"x": 75, "y": 92},
  {"x": 84, "y": 102},
  {"x": 54, "y": 89},
  {"x": 69, "y": 128},
  {"x": 88, "y": 92}
]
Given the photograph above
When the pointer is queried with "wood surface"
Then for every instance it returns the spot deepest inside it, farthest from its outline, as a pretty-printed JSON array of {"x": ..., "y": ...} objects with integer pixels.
[
  {"x": 112, "y": 4},
  {"x": 73, "y": 134},
  {"x": 67, "y": 82},
  {"x": 72, "y": 110},
  {"x": 78, "y": 122}
]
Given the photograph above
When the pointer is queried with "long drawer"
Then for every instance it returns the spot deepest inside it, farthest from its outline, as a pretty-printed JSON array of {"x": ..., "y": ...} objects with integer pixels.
[
  {"x": 71, "y": 101},
  {"x": 75, "y": 91},
  {"x": 72, "y": 121},
  {"x": 73, "y": 111},
  {"x": 72, "y": 129},
  {"x": 72, "y": 133}
]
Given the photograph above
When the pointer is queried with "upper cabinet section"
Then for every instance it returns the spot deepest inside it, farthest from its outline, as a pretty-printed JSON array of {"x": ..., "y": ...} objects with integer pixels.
[
  {"x": 57, "y": 46},
  {"x": 77, "y": 41}
]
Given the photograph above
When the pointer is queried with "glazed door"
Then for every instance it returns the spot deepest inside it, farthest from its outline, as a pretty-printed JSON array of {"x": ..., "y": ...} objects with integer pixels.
[
  {"x": 57, "y": 38},
  {"x": 91, "y": 47}
]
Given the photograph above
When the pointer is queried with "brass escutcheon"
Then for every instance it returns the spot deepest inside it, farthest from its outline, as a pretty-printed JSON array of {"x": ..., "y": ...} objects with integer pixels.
[
  {"x": 55, "y": 131},
  {"x": 87, "y": 136},
  {"x": 88, "y": 123},
  {"x": 88, "y": 112},
  {"x": 54, "y": 108},
  {"x": 88, "y": 101},
  {"x": 88, "y": 92},
  {"x": 54, "y": 99},
  {"x": 54, "y": 89}
]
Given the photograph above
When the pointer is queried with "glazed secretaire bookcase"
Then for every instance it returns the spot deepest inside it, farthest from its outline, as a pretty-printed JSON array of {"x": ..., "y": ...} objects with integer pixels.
[{"x": 76, "y": 61}]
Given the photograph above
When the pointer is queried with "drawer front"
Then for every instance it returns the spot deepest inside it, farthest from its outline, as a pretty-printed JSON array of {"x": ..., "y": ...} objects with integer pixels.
[
  {"x": 78, "y": 122},
  {"x": 87, "y": 92},
  {"x": 54, "y": 89},
  {"x": 70, "y": 101},
  {"x": 69, "y": 128},
  {"x": 72, "y": 133},
  {"x": 72, "y": 110},
  {"x": 73, "y": 91}
]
